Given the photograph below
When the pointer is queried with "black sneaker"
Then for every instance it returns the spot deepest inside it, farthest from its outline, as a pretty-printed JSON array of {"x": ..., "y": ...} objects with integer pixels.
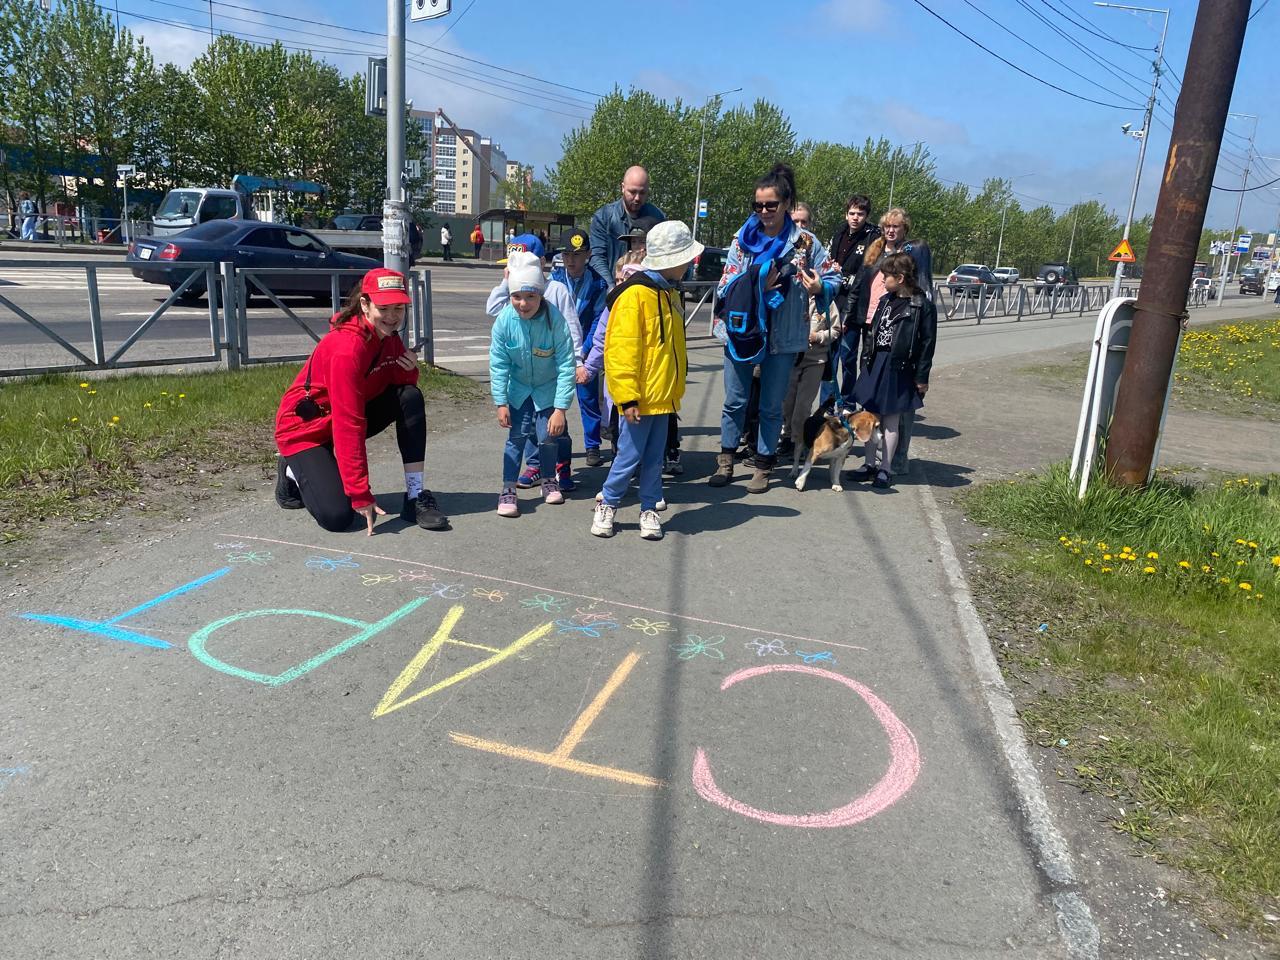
[
  {"x": 287, "y": 493},
  {"x": 424, "y": 511},
  {"x": 593, "y": 457}
]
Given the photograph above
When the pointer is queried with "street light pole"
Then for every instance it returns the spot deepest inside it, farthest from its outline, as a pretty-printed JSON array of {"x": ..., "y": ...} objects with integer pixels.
[
  {"x": 1248, "y": 160},
  {"x": 1075, "y": 215},
  {"x": 893, "y": 169},
  {"x": 702, "y": 148},
  {"x": 1145, "y": 133},
  {"x": 395, "y": 212}
]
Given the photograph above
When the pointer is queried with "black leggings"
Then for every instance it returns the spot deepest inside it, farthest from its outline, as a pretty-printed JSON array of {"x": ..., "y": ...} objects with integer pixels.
[{"x": 315, "y": 469}]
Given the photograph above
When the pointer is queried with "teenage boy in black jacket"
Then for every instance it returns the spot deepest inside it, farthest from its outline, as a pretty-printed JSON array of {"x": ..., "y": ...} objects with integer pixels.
[{"x": 848, "y": 247}]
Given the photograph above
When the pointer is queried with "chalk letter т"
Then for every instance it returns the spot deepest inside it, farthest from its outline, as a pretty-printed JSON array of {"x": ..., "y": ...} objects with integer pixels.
[{"x": 904, "y": 762}]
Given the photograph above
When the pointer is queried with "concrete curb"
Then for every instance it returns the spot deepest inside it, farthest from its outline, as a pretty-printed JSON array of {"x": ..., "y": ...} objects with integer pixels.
[
  {"x": 86, "y": 249},
  {"x": 1075, "y": 921}
]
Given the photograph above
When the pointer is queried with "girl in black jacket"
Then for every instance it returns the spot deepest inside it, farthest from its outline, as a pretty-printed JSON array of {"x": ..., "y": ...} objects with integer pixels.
[{"x": 896, "y": 360}]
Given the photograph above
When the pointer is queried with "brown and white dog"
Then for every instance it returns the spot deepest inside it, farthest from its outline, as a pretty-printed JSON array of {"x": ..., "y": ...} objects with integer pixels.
[{"x": 827, "y": 437}]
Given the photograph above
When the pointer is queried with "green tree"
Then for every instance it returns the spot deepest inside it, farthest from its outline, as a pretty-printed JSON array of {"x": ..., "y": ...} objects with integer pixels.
[
  {"x": 742, "y": 144},
  {"x": 26, "y": 98}
]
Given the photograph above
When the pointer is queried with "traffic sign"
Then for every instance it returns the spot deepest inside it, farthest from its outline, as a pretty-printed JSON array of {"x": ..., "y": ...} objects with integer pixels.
[
  {"x": 702, "y": 209},
  {"x": 125, "y": 169},
  {"x": 428, "y": 9},
  {"x": 1243, "y": 242},
  {"x": 1123, "y": 253}
]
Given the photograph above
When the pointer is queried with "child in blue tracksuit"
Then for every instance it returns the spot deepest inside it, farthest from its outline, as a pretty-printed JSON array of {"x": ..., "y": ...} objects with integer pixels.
[{"x": 531, "y": 376}]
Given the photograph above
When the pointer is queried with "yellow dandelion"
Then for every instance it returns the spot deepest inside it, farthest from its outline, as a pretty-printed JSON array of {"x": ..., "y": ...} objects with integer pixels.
[
  {"x": 1275, "y": 561},
  {"x": 1126, "y": 549},
  {"x": 115, "y": 419},
  {"x": 1245, "y": 586},
  {"x": 1106, "y": 569},
  {"x": 165, "y": 393},
  {"x": 1152, "y": 555},
  {"x": 1224, "y": 579},
  {"x": 92, "y": 392},
  {"x": 1148, "y": 569},
  {"x": 1088, "y": 561},
  {"x": 1253, "y": 545},
  {"x": 84, "y": 385},
  {"x": 1205, "y": 568},
  {"x": 1239, "y": 541},
  {"x": 1101, "y": 545},
  {"x": 111, "y": 426},
  {"x": 1214, "y": 553},
  {"x": 77, "y": 420},
  {"x": 1184, "y": 564},
  {"x": 1106, "y": 556},
  {"x": 182, "y": 396},
  {"x": 147, "y": 405}
]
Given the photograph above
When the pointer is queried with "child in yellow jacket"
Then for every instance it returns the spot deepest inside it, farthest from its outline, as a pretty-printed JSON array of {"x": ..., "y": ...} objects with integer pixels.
[{"x": 644, "y": 367}]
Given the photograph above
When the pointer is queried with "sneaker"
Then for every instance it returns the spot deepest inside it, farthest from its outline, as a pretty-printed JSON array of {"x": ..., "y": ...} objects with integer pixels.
[
  {"x": 660, "y": 506},
  {"x": 564, "y": 474},
  {"x": 593, "y": 457},
  {"x": 602, "y": 521},
  {"x": 287, "y": 494},
  {"x": 650, "y": 525},
  {"x": 508, "y": 505},
  {"x": 551, "y": 492},
  {"x": 424, "y": 511},
  {"x": 881, "y": 482},
  {"x": 530, "y": 477},
  {"x": 671, "y": 464}
]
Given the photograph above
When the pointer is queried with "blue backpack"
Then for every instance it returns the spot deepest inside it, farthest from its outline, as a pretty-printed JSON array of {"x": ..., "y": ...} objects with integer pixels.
[{"x": 744, "y": 310}]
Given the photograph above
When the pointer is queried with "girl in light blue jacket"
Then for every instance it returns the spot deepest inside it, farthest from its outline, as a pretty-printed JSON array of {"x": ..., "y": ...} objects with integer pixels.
[{"x": 531, "y": 375}]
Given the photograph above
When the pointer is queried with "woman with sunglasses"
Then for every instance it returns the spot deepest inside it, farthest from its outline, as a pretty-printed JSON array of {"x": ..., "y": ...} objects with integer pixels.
[{"x": 791, "y": 267}]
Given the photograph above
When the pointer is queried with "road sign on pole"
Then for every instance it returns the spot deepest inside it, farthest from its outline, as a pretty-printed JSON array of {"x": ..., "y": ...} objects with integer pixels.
[
  {"x": 702, "y": 209},
  {"x": 1123, "y": 253},
  {"x": 428, "y": 9},
  {"x": 124, "y": 171},
  {"x": 1243, "y": 242}
]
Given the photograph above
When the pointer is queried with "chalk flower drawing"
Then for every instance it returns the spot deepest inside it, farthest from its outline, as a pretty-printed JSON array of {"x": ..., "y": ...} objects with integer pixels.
[
  {"x": 411, "y": 576},
  {"x": 766, "y": 647},
  {"x": 695, "y": 646},
  {"x": 585, "y": 629},
  {"x": 330, "y": 564},
  {"x": 252, "y": 557},
  {"x": 493, "y": 596},
  {"x": 650, "y": 628},
  {"x": 544, "y": 602},
  {"x": 446, "y": 591},
  {"x": 586, "y": 616},
  {"x": 824, "y": 656},
  {"x": 373, "y": 579},
  {"x": 228, "y": 546}
]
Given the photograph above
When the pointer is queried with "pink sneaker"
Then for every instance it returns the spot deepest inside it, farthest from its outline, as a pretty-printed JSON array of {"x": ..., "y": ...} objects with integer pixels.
[
  {"x": 551, "y": 491},
  {"x": 508, "y": 505}
]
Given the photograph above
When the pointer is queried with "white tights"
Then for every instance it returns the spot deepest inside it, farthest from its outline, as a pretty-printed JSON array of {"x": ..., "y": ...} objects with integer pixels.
[{"x": 883, "y": 443}]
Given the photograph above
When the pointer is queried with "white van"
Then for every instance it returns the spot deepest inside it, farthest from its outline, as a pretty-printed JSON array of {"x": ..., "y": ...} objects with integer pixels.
[{"x": 185, "y": 207}]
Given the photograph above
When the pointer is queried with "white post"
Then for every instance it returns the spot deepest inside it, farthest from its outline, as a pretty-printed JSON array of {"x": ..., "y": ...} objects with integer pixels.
[
  {"x": 395, "y": 212},
  {"x": 124, "y": 213}
]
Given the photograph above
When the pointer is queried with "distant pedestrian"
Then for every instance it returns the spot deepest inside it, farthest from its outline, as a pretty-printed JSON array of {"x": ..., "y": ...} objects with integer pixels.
[
  {"x": 531, "y": 377},
  {"x": 359, "y": 380},
  {"x": 848, "y": 248},
  {"x": 477, "y": 240},
  {"x": 645, "y": 366},
  {"x": 446, "y": 238},
  {"x": 614, "y": 221},
  {"x": 511, "y": 234},
  {"x": 771, "y": 272},
  {"x": 896, "y": 362},
  {"x": 28, "y": 211},
  {"x": 895, "y": 226}
]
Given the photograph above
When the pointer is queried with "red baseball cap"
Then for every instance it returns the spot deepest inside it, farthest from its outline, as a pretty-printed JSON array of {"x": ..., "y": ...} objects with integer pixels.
[{"x": 385, "y": 287}]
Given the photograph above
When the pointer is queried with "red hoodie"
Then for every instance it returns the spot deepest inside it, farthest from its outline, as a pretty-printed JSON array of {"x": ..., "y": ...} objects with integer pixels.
[{"x": 349, "y": 367}]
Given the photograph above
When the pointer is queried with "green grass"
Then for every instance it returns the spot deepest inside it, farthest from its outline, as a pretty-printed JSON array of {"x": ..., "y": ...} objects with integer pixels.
[
  {"x": 1230, "y": 368},
  {"x": 1159, "y": 680},
  {"x": 73, "y": 448}
]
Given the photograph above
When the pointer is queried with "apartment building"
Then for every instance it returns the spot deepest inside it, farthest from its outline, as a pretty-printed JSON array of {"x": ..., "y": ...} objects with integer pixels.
[{"x": 464, "y": 171}]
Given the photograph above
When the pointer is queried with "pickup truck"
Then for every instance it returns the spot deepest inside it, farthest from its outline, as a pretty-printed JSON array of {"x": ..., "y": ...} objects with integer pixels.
[{"x": 361, "y": 233}]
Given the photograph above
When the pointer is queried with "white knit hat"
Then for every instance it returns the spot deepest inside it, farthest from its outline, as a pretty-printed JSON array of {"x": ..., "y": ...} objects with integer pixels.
[
  {"x": 670, "y": 244},
  {"x": 524, "y": 273}
]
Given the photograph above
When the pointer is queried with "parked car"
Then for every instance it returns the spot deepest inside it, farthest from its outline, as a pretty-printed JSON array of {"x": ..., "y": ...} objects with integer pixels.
[
  {"x": 969, "y": 278},
  {"x": 1007, "y": 274},
  {"x": 1205, "y": 283},
  {"x": 1056, "y": 275},
  {"x": 249, "y": 244},
  {"x": 709, "y": 264},
  {"x": 187, "y": 207},
  {"x": 1251, "y": 280},
  {"x": 355, "y": 221},
  {"x": 1273, "y": 281}
]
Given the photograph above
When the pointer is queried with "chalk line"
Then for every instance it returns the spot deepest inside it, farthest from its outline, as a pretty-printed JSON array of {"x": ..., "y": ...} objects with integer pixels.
[{"x": 563, "y": 593}]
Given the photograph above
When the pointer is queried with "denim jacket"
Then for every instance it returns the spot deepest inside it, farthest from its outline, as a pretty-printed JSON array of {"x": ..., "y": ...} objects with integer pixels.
[
  {"x": 788, "y": 323},
  {"x": 608, "y": 226}
]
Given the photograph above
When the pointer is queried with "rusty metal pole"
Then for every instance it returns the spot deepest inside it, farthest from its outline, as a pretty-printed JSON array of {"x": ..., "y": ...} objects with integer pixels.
[{"x": 1199, "y": 119}]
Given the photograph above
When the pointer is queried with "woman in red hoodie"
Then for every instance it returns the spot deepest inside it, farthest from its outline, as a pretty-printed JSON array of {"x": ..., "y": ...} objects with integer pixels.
[{"x": 359, "y": 380}]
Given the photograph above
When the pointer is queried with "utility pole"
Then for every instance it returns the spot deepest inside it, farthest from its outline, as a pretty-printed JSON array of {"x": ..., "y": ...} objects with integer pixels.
[
  {"x": 893, "y": 169},
  {"x": 1144, "y": 134},
  {"x": 395, "y": 211},
  {"x": 702, "y": 147},
  {"x": 1244, "y": 184},
  {"x": 1199, "y": 119}
]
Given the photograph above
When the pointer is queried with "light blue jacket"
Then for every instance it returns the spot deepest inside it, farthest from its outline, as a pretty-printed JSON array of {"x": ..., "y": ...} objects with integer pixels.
[
  {"x": 531, "y": 358},
  {"x": 789, "y": 323}
]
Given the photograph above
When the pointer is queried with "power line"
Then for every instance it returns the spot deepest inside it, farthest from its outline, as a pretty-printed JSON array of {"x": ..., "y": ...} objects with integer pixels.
[
  {"x": 1028, "y": 43},
  {"x": 1114, "y": 69},
  {"x": 1261, "y": 186},
  {"x": 452, "y": 23},
  {"x": 1088, "y": 29},
  {"x": 1054, "y": 86},
  {"x": 1262, "y": 6}
]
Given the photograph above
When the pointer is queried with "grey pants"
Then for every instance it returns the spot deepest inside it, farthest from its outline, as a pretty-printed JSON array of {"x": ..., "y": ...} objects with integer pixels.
[{"x": 802, "y": 391}]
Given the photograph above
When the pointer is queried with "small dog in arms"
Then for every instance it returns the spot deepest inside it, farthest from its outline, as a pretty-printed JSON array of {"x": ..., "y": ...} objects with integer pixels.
[{"x": 827, "y": 438}]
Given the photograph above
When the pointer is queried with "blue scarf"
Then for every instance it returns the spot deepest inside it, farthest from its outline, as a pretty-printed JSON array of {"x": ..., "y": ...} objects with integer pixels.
[{"x": 764, "y": 249}]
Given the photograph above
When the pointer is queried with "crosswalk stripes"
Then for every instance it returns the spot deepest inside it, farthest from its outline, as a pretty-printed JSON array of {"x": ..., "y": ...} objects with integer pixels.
[{"x": 113, "y": 278}]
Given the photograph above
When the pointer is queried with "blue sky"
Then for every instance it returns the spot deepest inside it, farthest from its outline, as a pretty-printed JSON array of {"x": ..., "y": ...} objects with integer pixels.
[{"x": 842, "y": 69}]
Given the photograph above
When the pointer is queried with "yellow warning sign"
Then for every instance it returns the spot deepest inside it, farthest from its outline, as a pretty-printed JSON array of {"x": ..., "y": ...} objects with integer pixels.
[{"x": 1123, "y": 253}]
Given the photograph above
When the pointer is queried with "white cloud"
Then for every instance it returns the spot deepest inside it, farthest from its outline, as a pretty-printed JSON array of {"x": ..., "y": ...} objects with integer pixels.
[{"x": 852, "y": 15}]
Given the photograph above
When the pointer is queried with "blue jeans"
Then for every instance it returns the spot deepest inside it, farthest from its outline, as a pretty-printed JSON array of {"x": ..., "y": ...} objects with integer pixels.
[
  {"x": 775, "y": 375},
  {"x": 589, "y": 404},
  {"x": 527, "y": 426},
  {"x": 848, "y": 360},
  {"x": 28, "y": 228},
  {"x": 639, "y": 445}
]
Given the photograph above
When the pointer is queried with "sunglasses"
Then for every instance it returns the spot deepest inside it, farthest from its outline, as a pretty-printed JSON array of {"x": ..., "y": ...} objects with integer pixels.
[{"x": 769, "y": 205}]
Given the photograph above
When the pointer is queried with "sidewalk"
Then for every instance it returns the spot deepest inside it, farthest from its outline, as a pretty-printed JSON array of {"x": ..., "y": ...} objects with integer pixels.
[{"x": 233, "y": 742}]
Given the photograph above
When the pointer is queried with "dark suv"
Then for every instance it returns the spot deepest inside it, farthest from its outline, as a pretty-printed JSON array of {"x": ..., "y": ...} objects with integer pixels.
[
  {"x": 1057, "y": 275},
  {"x": 1252, "y": 281}
]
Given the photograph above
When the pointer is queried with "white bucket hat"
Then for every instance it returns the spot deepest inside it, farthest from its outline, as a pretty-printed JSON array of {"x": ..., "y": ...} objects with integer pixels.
[
  {"x": 524, "y": 273},
  {"x": 670, "y": 244}
]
